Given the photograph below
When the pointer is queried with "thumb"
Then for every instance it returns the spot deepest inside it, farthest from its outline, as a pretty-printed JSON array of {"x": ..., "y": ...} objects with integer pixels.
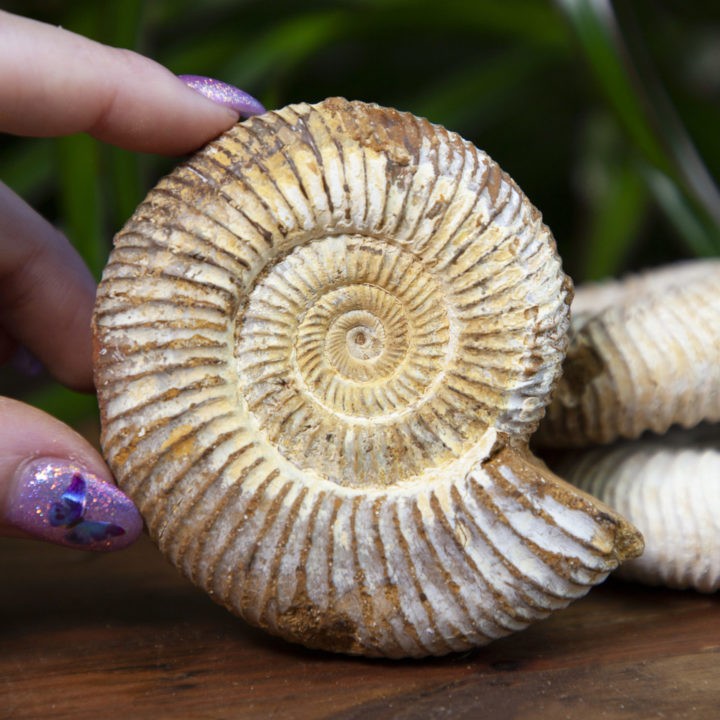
[{"x": 55, "y": 487}]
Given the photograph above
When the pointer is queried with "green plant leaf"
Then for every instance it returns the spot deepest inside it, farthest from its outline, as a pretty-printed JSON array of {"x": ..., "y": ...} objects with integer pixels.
[
  {"x": 27, "y": 167},
  {"x": 66, "y": 405},
  {"x": 81, "y": 198},
  {"x": 482, "y": 92},
  {"x": 693, "y": 204}
]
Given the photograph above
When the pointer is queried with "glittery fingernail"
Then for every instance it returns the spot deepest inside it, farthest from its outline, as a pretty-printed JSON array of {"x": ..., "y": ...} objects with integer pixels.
[
  {"x": 224, "y": 94},
  {"x": 58, "y": 501}
]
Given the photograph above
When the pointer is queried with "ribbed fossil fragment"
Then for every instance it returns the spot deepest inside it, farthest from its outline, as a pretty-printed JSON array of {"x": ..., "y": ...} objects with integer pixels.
[
  {"x": 322, "y": 344},
  {"x": 643, "y": 356},
  {"x": 670, "y": 488}
]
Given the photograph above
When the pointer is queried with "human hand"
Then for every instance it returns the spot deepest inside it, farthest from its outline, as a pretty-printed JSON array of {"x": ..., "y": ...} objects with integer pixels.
[{"x": 53, "y": 484}]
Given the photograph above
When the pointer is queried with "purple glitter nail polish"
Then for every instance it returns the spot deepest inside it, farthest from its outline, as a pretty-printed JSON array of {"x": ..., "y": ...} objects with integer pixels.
[
  {"x": 224, "y": 94},
  {"x": 58, "y": 501}
]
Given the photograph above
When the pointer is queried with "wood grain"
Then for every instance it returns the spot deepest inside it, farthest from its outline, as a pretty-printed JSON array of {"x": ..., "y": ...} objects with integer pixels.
[{"x": 88, "y": 636}]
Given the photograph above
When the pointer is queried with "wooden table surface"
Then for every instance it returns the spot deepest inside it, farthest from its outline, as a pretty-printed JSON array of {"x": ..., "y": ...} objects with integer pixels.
[{"x": 123, "y": 636}]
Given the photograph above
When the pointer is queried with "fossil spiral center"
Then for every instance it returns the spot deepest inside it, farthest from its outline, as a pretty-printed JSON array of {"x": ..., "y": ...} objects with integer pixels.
[
  {"x": 365, "y": 334},
  {"x": 365, "y": 342},
  {"x": 342, "y": 343}
]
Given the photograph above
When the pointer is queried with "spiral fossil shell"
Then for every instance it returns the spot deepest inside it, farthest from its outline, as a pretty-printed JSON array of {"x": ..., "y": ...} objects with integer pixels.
[
  {"x": 322, "y": 344},
  {"x": 643, "y": 356},
  {"x": 670, "y": 489}
]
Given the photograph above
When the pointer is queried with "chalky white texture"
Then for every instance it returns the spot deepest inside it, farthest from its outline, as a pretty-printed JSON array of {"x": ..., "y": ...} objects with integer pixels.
[
  {"x": 643, "y": 356},
  {"x": 670, "y": 489},
  {"x": 322, "y": 345}
]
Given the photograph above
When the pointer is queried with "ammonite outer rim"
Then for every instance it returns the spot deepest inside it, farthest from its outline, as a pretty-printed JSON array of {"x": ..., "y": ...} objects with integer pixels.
[{"x": 280, "y": 544}]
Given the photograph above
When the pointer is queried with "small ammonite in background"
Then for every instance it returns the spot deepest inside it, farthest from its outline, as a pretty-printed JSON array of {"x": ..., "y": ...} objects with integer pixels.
[
  {"x": 643, "y": 356},
  {"x": 322, "y": 345},
  {"x": 669, "y": 486}
]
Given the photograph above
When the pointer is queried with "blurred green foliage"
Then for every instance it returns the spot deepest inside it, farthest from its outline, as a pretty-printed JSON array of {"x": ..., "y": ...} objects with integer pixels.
[{"x": 606, "y": 115}]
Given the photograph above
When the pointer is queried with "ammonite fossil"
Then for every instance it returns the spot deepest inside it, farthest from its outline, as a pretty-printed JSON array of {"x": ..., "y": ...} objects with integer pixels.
[
  {"x": 643, "y": 356},
  {"x": 322, "y": 345},
  {"x": 670, "y": 488}
]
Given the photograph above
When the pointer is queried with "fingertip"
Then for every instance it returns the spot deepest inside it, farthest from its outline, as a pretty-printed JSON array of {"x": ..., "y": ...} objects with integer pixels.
[
  {"x": 60, "y": 501},
  {"x": 55, "y": 487},
  {"x": 56, "y": 82},
  {"x": 224, "y": 94},
  {"x": 47, "y": 296}
]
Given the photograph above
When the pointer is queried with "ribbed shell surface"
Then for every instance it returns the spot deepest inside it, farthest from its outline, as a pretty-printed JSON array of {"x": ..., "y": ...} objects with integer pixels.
[
  {"x": 644, "y": 355},
  {"x": 670, "y": 489},
  {"x": 321, "y": 345}
]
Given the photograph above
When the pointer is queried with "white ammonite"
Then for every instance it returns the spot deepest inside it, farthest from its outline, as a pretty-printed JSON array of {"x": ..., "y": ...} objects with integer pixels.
[
  {"x": 322, "y": 345},
  {"x": 670, "y": 488},
  {"x": 643, "y": 356}
]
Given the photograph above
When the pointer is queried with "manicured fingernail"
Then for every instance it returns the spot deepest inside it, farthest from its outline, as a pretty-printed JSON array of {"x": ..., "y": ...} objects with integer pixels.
[
  {"x": 58, "y": 501},
  {"x": 224, "y": 94},
  {"x": 26, "y": 363}
]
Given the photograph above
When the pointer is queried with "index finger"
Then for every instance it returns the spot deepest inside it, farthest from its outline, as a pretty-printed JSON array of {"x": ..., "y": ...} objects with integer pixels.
[{"x": 54, "y": 82}]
